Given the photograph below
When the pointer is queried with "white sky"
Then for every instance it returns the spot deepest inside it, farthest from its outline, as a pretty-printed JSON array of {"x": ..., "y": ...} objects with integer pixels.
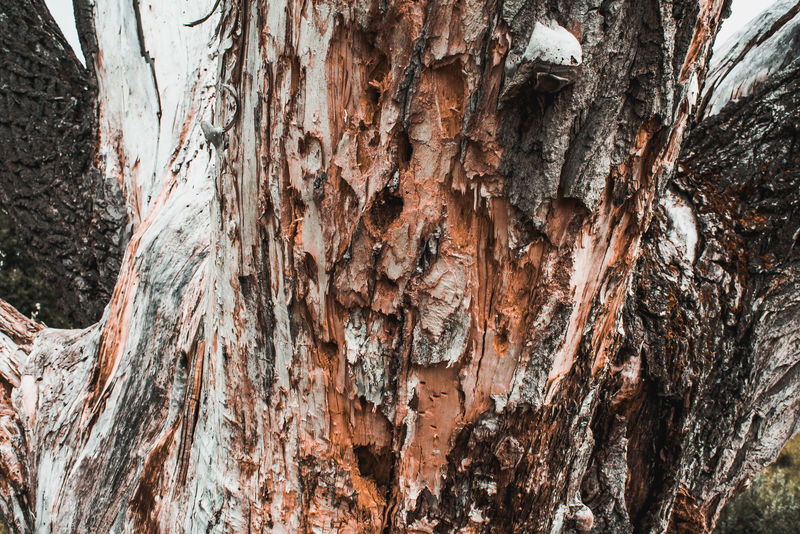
[
  {"x": 65, "y": 18},
  {"x": 742, "y": 12}
]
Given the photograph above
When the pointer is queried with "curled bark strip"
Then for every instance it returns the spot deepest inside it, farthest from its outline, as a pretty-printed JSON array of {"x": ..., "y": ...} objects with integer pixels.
[
  {"x": 203, "y": 19},
  {"x": 214, "y": 134},
  {"x": 232, "y": 91}
]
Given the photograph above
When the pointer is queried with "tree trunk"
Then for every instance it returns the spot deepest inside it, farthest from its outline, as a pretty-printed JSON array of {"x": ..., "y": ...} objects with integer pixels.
[
  {"x": 50, "y": 183},
  {"x": 389, "y": 270}
]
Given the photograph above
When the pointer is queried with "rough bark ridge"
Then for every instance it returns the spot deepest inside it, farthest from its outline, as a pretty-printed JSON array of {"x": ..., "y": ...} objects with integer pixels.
[
  {"x": 50, "y": 182},
  {"x": 711, "y": 327},
  {"x": 714, "y": 322},
  {"x": 380, "y": 256}
]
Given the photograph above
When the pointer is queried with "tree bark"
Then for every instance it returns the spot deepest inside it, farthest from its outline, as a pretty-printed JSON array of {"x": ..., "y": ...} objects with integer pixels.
[
  {"x": 714, "y": 324},
  {"x": 50, "y": 184},
  {"x": 390, "y": 271}
]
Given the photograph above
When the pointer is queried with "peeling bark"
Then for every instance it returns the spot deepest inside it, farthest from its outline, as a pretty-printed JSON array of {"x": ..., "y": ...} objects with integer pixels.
[
  {"x": 16, "y": 338},
  {"x": 393, "y": 267}
]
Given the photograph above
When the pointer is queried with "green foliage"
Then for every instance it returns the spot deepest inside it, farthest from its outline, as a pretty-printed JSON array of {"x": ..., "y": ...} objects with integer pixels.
[
  {"x": 772, "y": 504},
  {"x": 20, "y": 286}
]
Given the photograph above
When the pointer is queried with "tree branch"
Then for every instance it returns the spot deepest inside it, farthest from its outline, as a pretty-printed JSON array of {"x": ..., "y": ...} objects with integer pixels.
[{"x": 713, "y": 324}]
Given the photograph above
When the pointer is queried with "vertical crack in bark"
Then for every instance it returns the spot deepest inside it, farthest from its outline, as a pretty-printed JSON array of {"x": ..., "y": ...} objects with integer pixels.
[
  {"x": 191, "y": 404},
  {"x": 406, "y": 88},
  {"x": 151, "y": 64},
  {"x": 146, "y": 55}
]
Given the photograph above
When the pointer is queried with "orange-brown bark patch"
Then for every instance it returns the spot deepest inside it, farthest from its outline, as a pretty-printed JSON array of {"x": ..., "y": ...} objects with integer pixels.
[{"x": 143, "y": 503}]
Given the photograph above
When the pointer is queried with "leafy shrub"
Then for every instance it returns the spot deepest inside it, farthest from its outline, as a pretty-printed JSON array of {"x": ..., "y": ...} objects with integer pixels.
[{"x": 772, "y": 504}]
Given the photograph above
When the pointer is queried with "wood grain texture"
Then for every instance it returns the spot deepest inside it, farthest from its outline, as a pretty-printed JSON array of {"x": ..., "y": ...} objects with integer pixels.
[{"x": 423, "y": 282}]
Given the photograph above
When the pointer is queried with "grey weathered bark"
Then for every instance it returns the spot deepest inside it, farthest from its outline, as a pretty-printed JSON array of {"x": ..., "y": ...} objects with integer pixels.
[
  {"x": 409, "y": 289},
  {"x": 715, "y": 322}
]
